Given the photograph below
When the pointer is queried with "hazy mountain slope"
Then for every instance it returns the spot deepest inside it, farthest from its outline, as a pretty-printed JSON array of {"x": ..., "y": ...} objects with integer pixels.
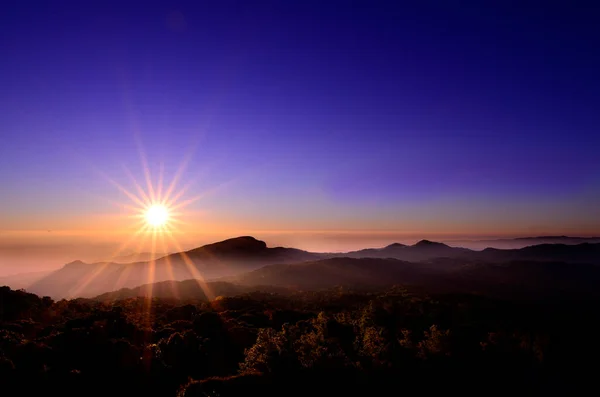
[
  {"x": 22, "y": 280},
  {"x": 246, "y": 250},
  {"x": 423, "y": 250},
  {"x": 580, "y": 253},
  {"x": 521, "y": 242},
  {"x": 220, "y": 259},
  {"x": 285, "y": 278},
  {"x": 533, "y": 279},
  {"x": 239, "y": 255},
  {"x": 517, "y": 278},
  {"x": 521, "y": 279},
  {"x": 335, "y": 271},
  {"x": 188, "y": 289},
  {"x": 77, "y": 279},
  {"x": 426, "y": 250}
]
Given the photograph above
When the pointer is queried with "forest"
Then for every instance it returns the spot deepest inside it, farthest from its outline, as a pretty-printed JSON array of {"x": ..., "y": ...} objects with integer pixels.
[{"x": 337, "y": 341}]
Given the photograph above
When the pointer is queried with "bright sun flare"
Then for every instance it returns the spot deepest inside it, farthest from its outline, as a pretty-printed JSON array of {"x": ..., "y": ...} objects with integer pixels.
[{"x": 157, "y": 215}]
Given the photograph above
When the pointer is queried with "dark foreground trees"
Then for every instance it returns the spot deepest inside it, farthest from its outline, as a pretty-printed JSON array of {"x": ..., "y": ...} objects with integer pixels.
[{"x": 333, "y": 342}]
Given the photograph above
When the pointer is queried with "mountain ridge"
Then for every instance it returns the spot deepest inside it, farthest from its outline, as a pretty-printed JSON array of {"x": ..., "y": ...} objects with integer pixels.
[
  {"x": 218, "y": 259},
  {"x": 530, "y": 280},
  {"x": 522, "y": 242},
  {"x": 245, "y": 253}
]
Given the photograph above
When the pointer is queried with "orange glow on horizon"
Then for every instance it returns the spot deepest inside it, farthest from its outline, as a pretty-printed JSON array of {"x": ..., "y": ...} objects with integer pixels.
[{"x": 157, "y": 212}]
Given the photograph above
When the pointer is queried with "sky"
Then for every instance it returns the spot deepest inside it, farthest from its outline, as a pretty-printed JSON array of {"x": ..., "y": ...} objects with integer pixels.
[{"x": 297, "y": 120}]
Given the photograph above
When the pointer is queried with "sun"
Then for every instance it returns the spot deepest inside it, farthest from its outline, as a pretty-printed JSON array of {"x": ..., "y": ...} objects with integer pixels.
[{"x": 157, "y": 215}]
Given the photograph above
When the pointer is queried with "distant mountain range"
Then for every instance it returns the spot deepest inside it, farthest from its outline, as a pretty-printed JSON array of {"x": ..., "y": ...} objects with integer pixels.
[
  {"x": 422, "y": 250},
  {"x": 530, "y": 280},
  {"x": 220, "y": 259},
  {"x": 426, "y": 250},
  {"x": 23, "y": 280},
  {"x": 521, "y": 242},
  {"x": 521, "y": 277},
  {"x": 230, "y": 258},
  {"x": 189, "y": 290}
]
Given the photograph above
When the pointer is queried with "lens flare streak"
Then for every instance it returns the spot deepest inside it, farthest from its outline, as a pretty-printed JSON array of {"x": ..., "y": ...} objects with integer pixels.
[{"x": 158, "y": 214}]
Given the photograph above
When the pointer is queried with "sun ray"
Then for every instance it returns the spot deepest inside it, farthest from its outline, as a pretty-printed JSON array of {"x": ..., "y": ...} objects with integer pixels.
[
  {"x": 162, "y": 210},
  {"x": 200, "y": 196},
  {"x": 181, "y": 192},
  {"x": 145, "y": 167},
  {"x": 191, "y": 267},
  {"x": 152, "y": 261},
  {"x": 138, "y": 187},
  {"x": 121, "y": 281},
  {"x": 150, "y": 279},
  {"x": 178, "y": 222},
  {"x": 99, "y": 269},
  {"x": 180, "y": 170},
  {"x": 131, "y": 196},
  {"x": 95, "y": 169},
  {"x": 187, "y": 202},
  {"x": 169, "y": 265},
  {"x": 178, "y": 195},
  {"x": 117, "y": 204},
  {"x": 159, "y": 187}
]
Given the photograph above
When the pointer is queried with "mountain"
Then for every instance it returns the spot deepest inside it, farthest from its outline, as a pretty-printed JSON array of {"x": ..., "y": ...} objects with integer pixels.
[
  {"x": 187, "y": 290},
  {"x": 535, "y": 272},
  {"x": 242, "y": 254},
  {"x": 580, "y": 253},
  {"x": 22, "y": 280},
  {"x": 426, "y": 250},
  {"x": 522, "y": 278},
  {"x": 521, "y": 242},
  {"x": 331, "y": 272},
  {"x": 246, "y": 250},
  {"x": 423, "y": 250},
  {"x": 286, "y": 278},
  {"x": 220, "y": 259},
  {"x": 530, "y": 280}
]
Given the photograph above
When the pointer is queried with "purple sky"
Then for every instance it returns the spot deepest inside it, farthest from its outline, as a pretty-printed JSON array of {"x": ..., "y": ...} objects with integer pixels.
[{"x": 311, "y": 115}]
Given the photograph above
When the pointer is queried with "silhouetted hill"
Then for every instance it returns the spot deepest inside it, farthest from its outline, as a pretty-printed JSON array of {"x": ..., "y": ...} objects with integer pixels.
[
  {"x": 525, "y": 279},
  {"x": 187, "y": 290},
  {"x": 396, "y": 245},
  {"x": 246, "y": 250},
  {"x": 284, "y": 278},
  {"x": 580, "y": 253},
  {"x": 328, "y": 273},
  {"x": 220, "y": 259},
  {"x": 239, "y": 255},
  {"x": 426, "y": 250},
  {"x": 521, "y": 242},
  {"x": 423, "y": 250},
  {"x": 529, "y": 279}
]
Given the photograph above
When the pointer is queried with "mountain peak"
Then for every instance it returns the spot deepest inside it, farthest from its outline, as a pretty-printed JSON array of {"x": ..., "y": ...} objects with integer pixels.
[
  {"x": 395, "y": 245},
  {"x": 75, "y": 263},
  {"x": 428, "y": 243},
  {"x": 242, "y": 243}
]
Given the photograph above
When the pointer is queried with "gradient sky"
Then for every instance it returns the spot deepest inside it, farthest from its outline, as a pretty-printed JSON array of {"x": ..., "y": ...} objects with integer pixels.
[{"x": 447, "y": 117}]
